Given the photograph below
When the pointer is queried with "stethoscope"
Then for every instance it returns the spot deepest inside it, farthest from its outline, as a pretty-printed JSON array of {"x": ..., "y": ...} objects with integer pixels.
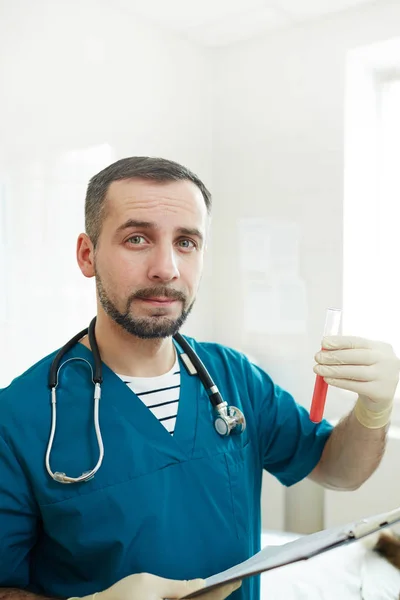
[{"x": 228, "y": 419}]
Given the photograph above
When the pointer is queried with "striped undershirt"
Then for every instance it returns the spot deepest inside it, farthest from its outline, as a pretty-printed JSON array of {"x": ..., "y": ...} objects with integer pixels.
[{"x": 160, "y": 394}]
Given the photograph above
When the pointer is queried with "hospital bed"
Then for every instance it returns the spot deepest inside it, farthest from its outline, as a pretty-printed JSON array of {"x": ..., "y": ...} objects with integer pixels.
[{"x": 352, "y": 572}]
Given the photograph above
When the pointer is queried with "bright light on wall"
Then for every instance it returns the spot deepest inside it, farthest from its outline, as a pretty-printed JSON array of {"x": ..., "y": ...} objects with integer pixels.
[{"x": 371, "y": 286}]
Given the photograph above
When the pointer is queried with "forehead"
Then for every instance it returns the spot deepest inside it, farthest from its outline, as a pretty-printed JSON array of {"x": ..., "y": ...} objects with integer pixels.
[{"x": 143, "y": 198}]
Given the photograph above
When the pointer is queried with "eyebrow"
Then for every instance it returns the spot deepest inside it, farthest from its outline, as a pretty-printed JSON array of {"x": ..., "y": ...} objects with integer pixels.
[{"x": 134, "y": 223}]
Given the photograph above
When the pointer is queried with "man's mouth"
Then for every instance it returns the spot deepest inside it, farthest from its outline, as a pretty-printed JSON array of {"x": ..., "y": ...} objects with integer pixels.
[{"x": 159, "y": 300}]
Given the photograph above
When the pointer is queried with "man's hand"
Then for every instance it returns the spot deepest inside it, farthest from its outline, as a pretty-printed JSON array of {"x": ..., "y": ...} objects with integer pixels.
[
  {"x": 144, "y": 586},
  {"x": 371, "y": 369},
  {"x": 357, "y": 443}
]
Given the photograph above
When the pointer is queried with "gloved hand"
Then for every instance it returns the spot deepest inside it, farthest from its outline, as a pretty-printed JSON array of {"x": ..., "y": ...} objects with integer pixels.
[
  {"x": 369, "y": 368},
  {"x": 144, "y": 586}
]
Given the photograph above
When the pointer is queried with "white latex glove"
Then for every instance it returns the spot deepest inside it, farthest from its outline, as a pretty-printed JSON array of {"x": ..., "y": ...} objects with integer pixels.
[
  {"x": 371, "y": 369},
  {"x": 144, "y": 586}
]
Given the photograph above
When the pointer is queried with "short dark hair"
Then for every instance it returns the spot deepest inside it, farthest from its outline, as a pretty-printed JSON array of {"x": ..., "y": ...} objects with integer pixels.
[{"x": 143, "y": 167}]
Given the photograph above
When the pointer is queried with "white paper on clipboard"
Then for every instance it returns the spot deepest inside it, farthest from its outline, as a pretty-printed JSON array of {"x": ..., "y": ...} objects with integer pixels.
[{"x": 302, "y": 548}]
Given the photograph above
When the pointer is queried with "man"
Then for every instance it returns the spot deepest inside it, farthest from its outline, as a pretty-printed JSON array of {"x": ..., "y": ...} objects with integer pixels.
[{"x": 172, "y": 496}]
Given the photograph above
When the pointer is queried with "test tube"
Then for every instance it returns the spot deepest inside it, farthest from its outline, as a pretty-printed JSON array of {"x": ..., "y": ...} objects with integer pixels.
[{"x": 332, "y": 324}]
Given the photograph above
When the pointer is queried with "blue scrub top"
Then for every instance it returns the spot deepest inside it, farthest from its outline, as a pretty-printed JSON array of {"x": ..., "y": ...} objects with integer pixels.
[{"x": 180, "y": 507}]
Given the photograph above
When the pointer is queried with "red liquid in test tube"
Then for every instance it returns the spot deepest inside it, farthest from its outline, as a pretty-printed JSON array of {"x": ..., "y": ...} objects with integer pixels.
[{"x": 332, "y": 324}]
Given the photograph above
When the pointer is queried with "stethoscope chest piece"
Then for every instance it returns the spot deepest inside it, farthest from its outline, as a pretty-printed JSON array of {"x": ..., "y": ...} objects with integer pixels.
[{"x": 229, "y": 420}]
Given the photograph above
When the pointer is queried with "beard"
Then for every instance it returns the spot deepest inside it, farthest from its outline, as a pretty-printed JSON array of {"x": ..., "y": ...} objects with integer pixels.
[{"x": 154, "y": 326}]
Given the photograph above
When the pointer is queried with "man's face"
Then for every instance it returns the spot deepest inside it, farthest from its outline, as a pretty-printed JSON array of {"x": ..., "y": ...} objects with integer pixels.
[{"x": 149, "y": 256}]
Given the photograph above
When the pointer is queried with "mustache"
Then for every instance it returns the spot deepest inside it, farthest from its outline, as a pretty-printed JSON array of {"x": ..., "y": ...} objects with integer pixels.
[{"x": 162, "y": 291}]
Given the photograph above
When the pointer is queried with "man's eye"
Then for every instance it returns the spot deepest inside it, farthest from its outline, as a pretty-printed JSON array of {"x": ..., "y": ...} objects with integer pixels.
[
  {"x": 136, "y": 240},
  {"x": 187, "y": 244}
]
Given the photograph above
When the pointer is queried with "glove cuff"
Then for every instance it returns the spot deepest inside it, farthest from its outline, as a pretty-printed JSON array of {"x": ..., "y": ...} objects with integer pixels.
[{"x": 371, "y": 419}]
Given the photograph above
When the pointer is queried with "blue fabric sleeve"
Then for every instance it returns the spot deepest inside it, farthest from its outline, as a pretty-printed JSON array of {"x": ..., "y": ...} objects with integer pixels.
[
  {"x": 18, "y": 521},
  {"x": 291, "y": 444}
]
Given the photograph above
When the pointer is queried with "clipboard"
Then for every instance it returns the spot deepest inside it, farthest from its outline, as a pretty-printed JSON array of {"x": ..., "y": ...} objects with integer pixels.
[{"x": 303, "y": 548}]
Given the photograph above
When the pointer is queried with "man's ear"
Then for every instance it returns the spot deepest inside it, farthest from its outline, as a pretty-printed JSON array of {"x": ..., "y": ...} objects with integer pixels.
[{"x": 85, "y": 255}]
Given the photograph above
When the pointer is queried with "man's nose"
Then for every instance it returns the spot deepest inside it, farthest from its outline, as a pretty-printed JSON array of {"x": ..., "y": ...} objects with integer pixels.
[{"x": 163, "y": 266}]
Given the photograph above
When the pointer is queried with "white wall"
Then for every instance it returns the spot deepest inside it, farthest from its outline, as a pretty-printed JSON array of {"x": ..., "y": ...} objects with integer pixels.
[
  {"x": 279, "y": 156},
  {"x": 78, "y": 75}
]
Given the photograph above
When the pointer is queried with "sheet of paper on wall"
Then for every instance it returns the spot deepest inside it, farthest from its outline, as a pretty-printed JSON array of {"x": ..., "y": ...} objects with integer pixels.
[
  {"x": 274, "y": 307},
  {"x": 302, "y": 548},
  {"x": 274, "y": 293},
  {"x": 269, "y": 246},
  {"x": 254, "y": 245}
]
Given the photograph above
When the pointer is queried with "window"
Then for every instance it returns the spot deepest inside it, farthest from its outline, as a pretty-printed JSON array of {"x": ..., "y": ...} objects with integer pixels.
[{"x": 371, "y": 259}]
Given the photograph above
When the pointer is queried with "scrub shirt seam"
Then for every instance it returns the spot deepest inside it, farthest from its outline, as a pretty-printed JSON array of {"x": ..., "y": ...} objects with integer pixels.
[{"x": 126, "y": 481}]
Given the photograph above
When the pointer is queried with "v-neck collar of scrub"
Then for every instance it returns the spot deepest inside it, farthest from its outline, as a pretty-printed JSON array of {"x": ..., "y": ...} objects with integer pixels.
[{"x": 180, "y": 446}]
